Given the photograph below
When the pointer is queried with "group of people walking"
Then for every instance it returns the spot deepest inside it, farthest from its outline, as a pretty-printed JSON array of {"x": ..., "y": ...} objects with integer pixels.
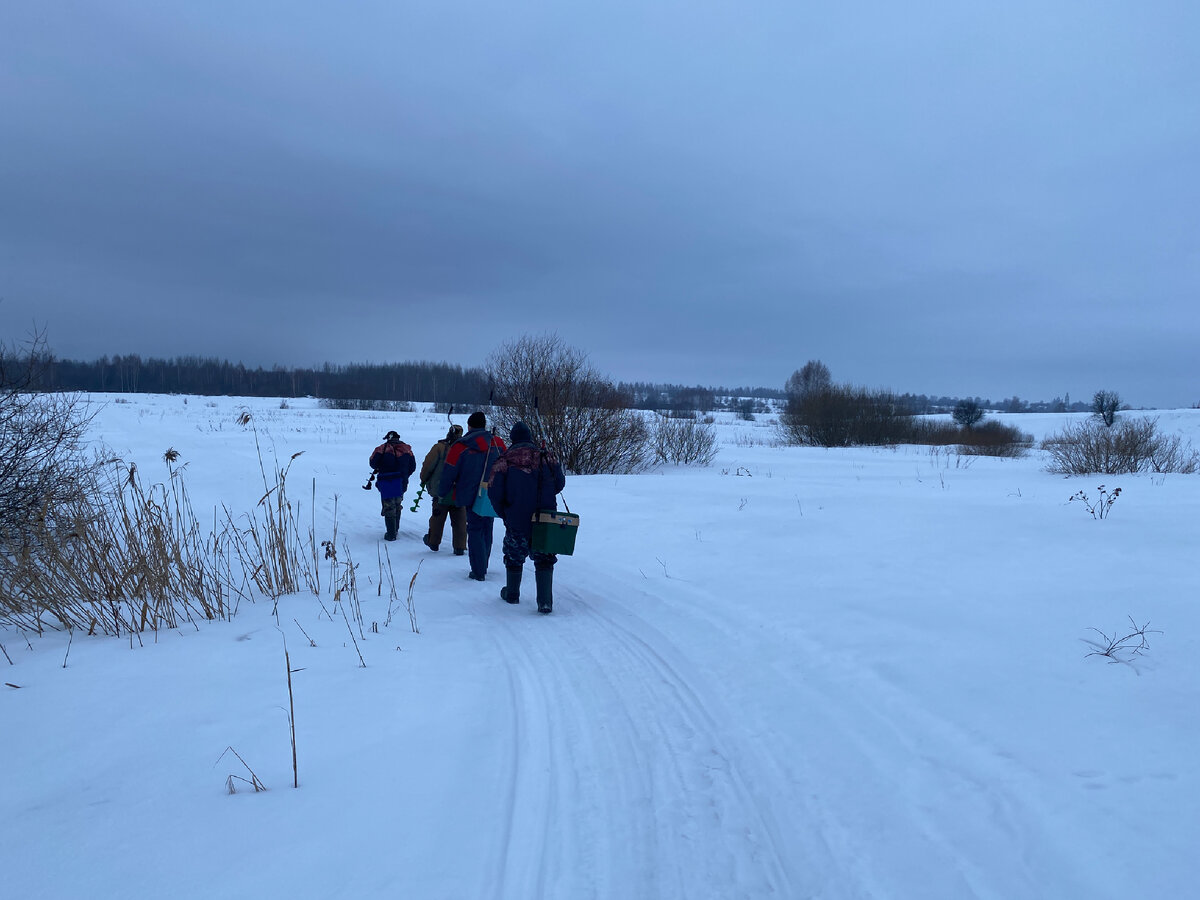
[{"x": 473, "y": 479}]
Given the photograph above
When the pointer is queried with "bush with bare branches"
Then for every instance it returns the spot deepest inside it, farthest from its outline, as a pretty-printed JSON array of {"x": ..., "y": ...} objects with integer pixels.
[
  {"x": 44, "y": 461},
  {"x": 1132, "y": 446},
  {"x": 684, "y": 442},
  {"x": 845, "y": 416},
  {"x": 583, "y": 415}
]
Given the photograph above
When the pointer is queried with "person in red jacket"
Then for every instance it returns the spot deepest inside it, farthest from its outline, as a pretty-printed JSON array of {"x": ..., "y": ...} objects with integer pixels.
[
  {"x": 392, "y": 462},
  {"x": 524, "y": 480},
  {"x": 464, "y": 479}
]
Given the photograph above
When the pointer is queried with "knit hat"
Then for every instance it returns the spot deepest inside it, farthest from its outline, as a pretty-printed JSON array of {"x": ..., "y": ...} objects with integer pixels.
[
  {"x": 521, "y": 434},
  {"x": 477, "y": 420},
  {"x": 454, "y": 433},
  {"x": 391, "y": 437}
]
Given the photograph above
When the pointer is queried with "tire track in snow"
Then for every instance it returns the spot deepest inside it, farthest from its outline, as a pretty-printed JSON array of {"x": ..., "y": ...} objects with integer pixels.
[
  {"x": 572, "y": 782},
  {"x": 637, "y": 783},
  {"x": 704, "y": 736},
  {"x": 927, "y": 793},
  {"x": 529, "y": 750}
]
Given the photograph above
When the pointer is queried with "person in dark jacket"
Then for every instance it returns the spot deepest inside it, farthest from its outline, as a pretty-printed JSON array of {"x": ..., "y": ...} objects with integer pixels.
[
  {"x": 392, "y": 462},
  {"x": 431, "y": 474},
  {"x": 464, "y": 478},
  {"x": 524, "y": 480}
]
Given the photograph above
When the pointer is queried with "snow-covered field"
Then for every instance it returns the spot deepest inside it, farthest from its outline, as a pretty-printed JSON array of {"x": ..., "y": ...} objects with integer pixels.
[{"x": 796, "y": 673}]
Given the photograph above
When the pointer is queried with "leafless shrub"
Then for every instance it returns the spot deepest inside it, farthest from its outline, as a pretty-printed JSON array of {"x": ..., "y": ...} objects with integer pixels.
[
  {"x": 1132, "y": 446},
  {"x": 1172, "y": 454},
  {"x": 684, "y": 442},
  {"x": 845, "y": 416},
  {"x": 1120, "y": 648},
  {"x": 580, "y": 413},
  {"x": 990, "y": 438},
  {"x": 936, "y": 433},
  {"x": 44, "y": 463},
  {"x": 994, "y": 438},
  {"x": 353, "y": 403}
]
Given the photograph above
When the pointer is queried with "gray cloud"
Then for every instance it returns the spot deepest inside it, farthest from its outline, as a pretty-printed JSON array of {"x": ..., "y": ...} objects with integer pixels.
[{"x": 952, "y": 200}]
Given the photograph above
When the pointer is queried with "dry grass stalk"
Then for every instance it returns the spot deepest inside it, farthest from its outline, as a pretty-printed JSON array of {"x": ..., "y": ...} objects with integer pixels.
[
  {"x": 292, "y": 715},
  {"x": 229, "y": 782},
  {"x": 125, "y": 559},
  {"x": 411, "y": 603},
  {"x": 311, "y": 642}
]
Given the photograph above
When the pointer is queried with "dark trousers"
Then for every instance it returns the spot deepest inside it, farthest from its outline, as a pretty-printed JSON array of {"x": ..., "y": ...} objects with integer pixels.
[
  {"x": 458, "y": 525},
  {"x": 479, "y": 541},
  {"x": 516, "y": 551}
]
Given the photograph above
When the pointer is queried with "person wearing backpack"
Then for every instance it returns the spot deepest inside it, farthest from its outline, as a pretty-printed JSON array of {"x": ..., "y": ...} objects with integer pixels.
[
  {"x": 464, "y": 480},
  {"x": 392, "y": 462},
  {"x": 524, "y": 480},
  {"x": 431, "y": 474}
]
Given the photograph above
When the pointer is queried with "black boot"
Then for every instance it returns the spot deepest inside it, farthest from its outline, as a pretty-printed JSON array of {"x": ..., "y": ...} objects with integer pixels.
[
  {"x": 428, "y": 542},
  {"x": 511, "y": 593},
  {"x": 544, "y": 578},
  {"x": 392, "y": 523}
]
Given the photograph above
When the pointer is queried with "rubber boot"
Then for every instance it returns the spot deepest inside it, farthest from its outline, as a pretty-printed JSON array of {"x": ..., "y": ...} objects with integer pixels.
[
  {"x": 511, "y": 592},
  {"x": 392, "y": 523},
  {"x": 544, "y": 578}
]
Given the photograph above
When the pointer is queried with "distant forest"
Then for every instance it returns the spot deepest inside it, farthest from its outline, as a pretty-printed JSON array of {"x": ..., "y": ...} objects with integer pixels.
[{"x": 420, "y": 381}]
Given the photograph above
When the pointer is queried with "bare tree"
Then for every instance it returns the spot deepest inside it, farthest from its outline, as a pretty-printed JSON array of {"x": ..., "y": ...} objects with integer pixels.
[
  {"x": 581, "y": 414},
  {"x": 811, "y": 379},
  {"x": 1105, "y": 405},
  {"x": 44, "y": 461},
  {"x": 967, "y": 413}
]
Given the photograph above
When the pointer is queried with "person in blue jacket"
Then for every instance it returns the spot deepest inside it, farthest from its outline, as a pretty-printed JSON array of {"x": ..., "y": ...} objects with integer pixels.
[
  {"x": 392, "y": 462},
  {"x": 524, "y": 480},
  {"x": 464, "y": 478}
]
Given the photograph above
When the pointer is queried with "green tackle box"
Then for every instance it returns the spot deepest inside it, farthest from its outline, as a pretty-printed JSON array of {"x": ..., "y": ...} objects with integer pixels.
[{"x": 554, "y": 532}]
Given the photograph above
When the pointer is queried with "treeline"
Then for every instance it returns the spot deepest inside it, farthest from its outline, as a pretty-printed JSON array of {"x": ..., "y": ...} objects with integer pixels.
[
  {"x": 424, "y": 381},
  {"x": 682, "y": 398},
  {"x": 923, "y": 404},
  {"x": 405, "y": 381}
]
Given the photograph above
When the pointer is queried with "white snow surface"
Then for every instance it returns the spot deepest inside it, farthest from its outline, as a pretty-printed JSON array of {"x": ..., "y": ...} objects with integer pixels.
[{"x": 797, "y": 673}]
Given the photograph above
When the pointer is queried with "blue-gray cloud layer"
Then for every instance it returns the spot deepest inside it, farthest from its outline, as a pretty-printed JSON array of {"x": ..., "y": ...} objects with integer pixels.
[{"x": 942, "y": 197}]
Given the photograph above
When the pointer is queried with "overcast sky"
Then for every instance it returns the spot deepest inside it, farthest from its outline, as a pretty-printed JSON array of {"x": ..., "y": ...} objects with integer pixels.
[{"x": 948, "y": 197}]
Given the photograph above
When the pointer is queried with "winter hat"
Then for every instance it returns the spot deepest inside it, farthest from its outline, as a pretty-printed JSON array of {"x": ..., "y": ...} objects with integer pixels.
[
  {"x": 454, "y": 433},
  {"x": 521, "y": 434},
  {"x": 391, "y": 436},
  {"x": 477, "y": 420}
]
